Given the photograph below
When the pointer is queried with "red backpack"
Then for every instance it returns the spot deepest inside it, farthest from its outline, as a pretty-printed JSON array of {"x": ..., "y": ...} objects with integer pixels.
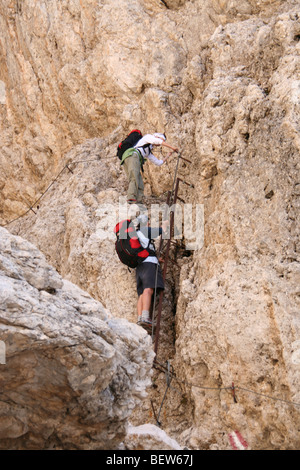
[{"x": 128, "y": 247}]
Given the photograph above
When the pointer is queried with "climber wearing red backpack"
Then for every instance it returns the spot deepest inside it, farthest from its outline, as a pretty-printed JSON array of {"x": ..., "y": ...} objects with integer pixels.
[
  {"x": 148, "y": 273},
  {"x": 133, "y": 151},
  {"x": 135, "y": 249}
]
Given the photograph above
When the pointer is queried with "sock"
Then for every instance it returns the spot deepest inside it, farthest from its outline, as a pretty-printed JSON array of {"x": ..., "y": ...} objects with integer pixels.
[{"x": 145, "y": 315}]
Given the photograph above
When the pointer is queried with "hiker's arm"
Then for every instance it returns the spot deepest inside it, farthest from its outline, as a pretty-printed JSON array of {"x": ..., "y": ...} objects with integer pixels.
[
  {"x": 166, "y": 158},
  {"x": 151, "y": 232},
  {"x": 154, "y": 232},
  {"x": 156, "y": 141},
  {"x": 164, "y": 144},
  {"x": 155, "y": 160}
]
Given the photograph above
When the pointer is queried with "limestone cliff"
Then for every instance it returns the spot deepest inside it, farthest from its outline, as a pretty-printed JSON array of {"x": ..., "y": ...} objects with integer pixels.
[
  {"x": 222, "y": 80},
  {"x": 72, "y": 374}
]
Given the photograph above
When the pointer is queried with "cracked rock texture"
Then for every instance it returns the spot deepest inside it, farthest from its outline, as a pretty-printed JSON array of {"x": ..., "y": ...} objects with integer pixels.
[
  {"x": 73, "y": 374},
  {"x": 222, "y": 80}
]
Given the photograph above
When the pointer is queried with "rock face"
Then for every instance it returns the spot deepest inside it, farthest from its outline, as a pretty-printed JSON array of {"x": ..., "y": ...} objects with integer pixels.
[
  {"x": 222, "y": 80},
  {"x": 73, "y": 374},
  {"x": 240, "y": 294}
]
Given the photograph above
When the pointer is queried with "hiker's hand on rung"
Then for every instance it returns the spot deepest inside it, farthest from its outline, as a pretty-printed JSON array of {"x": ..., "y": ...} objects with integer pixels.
[{"x": 166, "y": 158}]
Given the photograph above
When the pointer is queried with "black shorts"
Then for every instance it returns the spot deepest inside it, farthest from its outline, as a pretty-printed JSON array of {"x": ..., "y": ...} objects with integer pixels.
[{"x": 147, "y": 275}]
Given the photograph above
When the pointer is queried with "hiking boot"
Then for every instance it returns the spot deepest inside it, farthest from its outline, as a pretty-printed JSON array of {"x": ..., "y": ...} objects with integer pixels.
[
  {"x": 146, "y": 324},
  {"x": 145, "y": 321}
]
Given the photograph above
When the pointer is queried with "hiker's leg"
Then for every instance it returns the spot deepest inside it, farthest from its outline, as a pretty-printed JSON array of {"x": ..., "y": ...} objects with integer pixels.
[
  {"x": 132, "y": 167},
  {"x": 140, "y": 305},
  {"x": 140, "y": 189},
  {"x": 147, "y": 297}
]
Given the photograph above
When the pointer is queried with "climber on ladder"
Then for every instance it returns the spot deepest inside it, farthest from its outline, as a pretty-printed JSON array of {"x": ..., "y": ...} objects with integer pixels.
[
  {"x": 149, "y": 280},
  {"x": 135, "y": 248},
  {"x": 133, "y": 151}
]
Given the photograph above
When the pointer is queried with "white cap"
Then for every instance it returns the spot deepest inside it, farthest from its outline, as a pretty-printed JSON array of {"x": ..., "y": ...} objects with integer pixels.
[{"x": 160, "y": 136}]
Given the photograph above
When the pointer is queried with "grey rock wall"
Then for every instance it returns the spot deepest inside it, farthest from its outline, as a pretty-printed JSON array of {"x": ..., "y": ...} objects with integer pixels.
[{"x": 72, "y": 373}]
